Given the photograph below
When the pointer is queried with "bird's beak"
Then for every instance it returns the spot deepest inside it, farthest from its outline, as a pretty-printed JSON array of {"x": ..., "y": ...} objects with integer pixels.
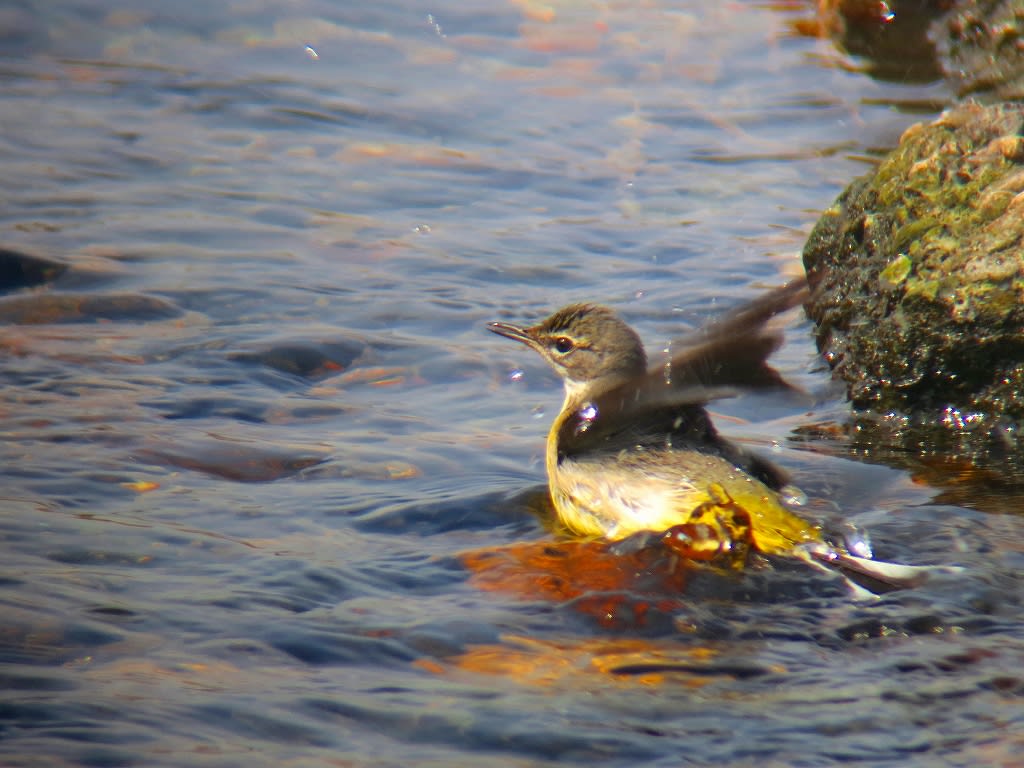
[{"x": 514, "y": 332}]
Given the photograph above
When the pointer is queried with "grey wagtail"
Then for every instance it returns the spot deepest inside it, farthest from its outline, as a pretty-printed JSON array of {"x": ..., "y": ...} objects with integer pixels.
[{"x": 633, "y": 448}]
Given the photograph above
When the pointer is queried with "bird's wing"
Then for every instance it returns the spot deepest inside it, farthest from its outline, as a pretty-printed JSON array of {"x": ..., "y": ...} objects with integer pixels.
[
  {"x": 732, "y": 350},
  {"x": 665, "y": 406}
]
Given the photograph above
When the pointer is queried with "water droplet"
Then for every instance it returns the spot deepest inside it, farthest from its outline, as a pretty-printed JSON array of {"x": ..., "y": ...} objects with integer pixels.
[
  {"x": 516, "y": 374},
  {"x": 311, "y": 53},
  {"x": 432, "y": 22},
  {"x": 586, "y": 415},
  {"x": 857, "y": 541},
  {"x": 793, "y": 496}
]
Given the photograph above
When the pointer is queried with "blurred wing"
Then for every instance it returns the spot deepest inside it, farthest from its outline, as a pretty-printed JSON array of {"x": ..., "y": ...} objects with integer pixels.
[
  {"x": 665, "y": 406},
  {"x": 756, "y": 313},
  {"x": 732, "y": 351}
]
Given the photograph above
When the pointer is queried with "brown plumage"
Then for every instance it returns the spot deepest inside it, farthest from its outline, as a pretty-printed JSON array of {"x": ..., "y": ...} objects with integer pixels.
[{"x": 633, "y": 447}]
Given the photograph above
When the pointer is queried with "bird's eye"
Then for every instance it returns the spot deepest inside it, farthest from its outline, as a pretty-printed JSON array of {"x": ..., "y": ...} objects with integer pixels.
[{"x": 564, "y": 345}]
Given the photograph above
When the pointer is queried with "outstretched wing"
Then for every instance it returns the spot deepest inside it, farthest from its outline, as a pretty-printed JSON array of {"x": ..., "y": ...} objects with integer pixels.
[
  {"x": 665, "y": 407},
  {"x": 732, "y": 350}
]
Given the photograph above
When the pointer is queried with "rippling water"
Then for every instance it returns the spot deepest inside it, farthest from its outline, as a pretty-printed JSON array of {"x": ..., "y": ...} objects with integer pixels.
[{"x": 269, "y": 489}]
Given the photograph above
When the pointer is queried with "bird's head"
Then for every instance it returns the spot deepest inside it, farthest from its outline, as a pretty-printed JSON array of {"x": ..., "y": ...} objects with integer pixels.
[{"x": 588, "y": 345}]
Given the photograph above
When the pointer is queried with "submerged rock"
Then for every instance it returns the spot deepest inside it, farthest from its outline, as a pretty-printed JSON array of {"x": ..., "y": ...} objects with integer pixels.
[
  {"x": 917, "y": 277},
  {"x": 23, "y": 270},
  {"x": 50, "y": 308},
  {"x": 312, "y": 360}
]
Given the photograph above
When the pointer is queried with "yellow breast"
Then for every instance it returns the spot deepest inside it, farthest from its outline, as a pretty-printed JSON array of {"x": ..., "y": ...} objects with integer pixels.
[{"x": 615, "y": 496}]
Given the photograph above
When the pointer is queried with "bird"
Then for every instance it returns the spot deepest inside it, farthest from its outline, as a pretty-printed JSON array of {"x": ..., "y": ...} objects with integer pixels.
[{"x": 633, "y": 447}]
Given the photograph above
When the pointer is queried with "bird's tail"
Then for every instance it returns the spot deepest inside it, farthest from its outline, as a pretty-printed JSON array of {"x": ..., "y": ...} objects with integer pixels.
[{"x": 867, "y": 577}]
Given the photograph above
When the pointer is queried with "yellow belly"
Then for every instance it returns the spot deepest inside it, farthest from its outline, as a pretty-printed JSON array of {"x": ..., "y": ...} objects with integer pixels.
[{"x": 616, "y": 496}]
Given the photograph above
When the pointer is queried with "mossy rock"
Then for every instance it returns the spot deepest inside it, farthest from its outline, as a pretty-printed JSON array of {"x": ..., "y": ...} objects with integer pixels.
[{"x": 917, "y": 277}]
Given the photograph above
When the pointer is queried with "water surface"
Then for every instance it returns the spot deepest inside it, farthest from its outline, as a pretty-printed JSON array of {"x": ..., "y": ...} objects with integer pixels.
[{"x": 256, "y": 437}]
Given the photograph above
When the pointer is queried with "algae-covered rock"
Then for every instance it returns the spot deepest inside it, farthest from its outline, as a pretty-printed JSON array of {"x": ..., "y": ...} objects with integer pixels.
[{"x": 917, "y": 277}]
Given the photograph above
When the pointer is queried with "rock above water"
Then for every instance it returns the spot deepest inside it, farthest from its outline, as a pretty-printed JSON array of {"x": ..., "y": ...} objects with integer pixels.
[
  {"x": 981, "y": 47},
  {"x": 917, "y": 277}
]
